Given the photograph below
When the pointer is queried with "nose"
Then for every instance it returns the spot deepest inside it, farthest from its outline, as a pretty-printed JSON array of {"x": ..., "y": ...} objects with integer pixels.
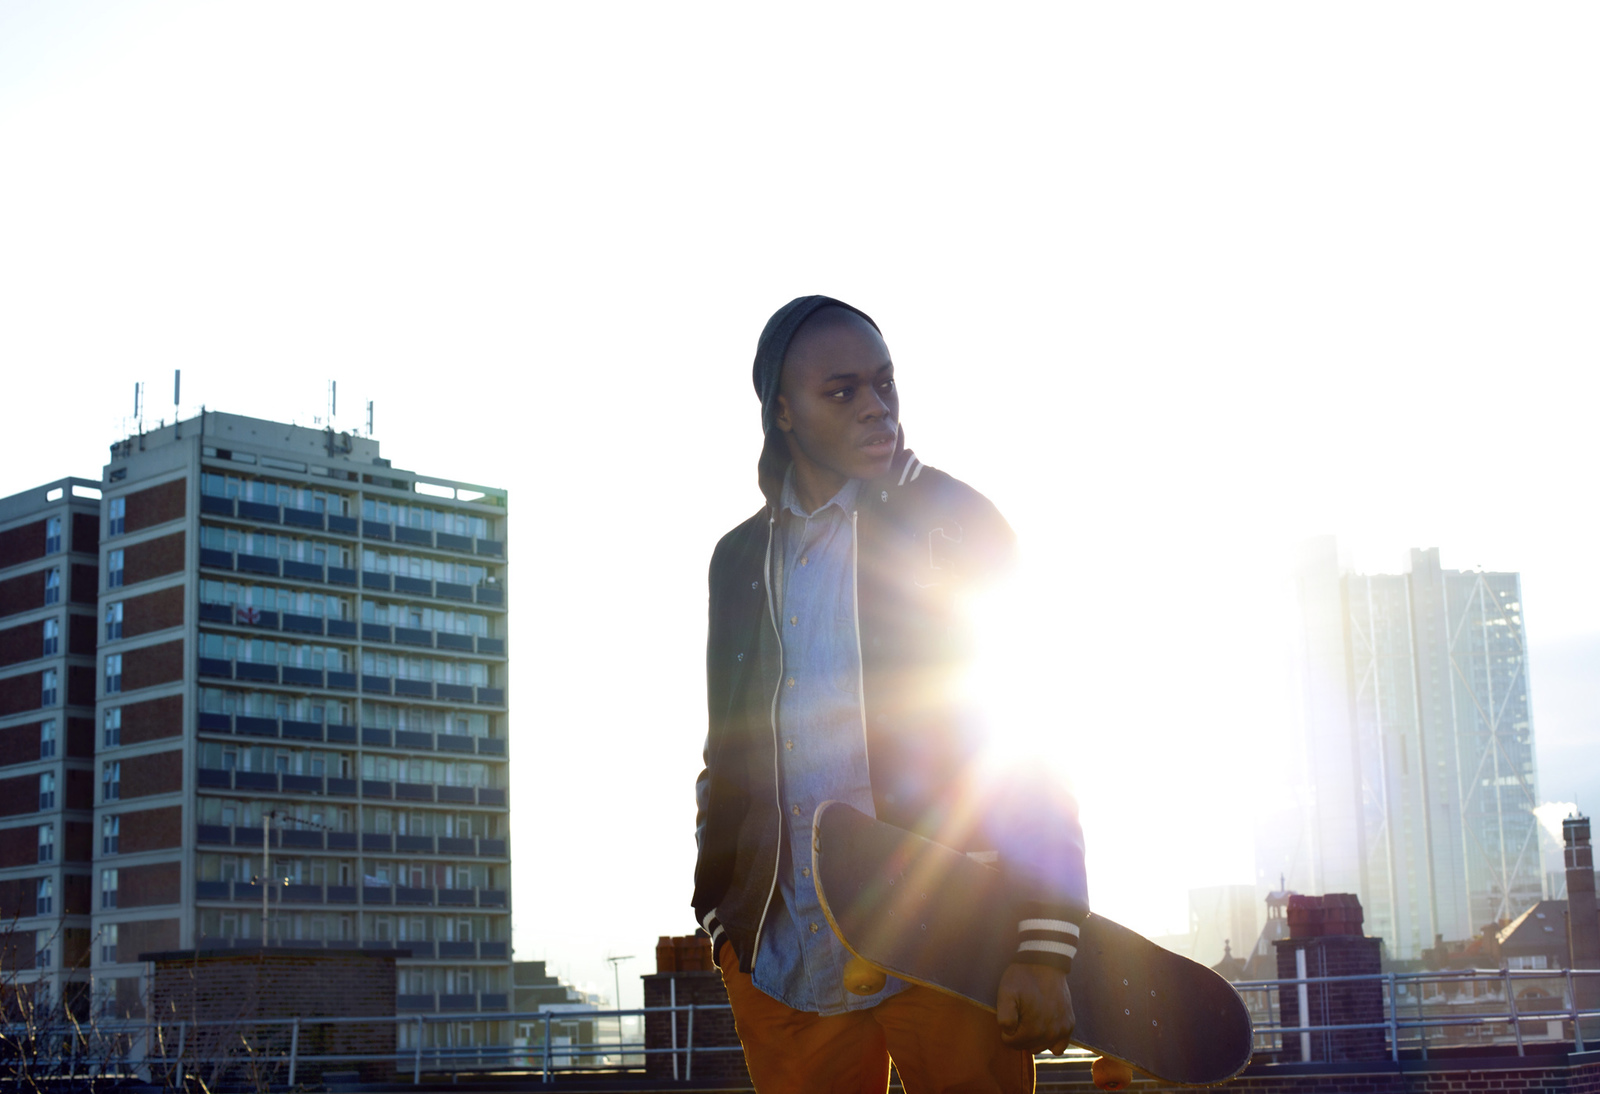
[{"x": 875, "y": 406}]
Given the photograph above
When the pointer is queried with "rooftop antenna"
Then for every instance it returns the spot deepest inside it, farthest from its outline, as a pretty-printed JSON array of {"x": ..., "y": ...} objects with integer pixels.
[
  {"x": 177, "y": 380},
  {"x": 333, "y": 401},
  {"x": 369, "y": 417}
]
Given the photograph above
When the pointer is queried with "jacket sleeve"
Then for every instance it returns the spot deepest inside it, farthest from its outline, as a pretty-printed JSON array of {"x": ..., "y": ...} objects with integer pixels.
[{"x": 1034, "y": 823}]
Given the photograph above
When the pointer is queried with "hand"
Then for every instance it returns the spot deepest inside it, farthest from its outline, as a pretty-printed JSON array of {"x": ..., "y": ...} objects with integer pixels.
[
  {"x": 1110, "y": 1073},
  {"x": 1034, "y": 1008}
]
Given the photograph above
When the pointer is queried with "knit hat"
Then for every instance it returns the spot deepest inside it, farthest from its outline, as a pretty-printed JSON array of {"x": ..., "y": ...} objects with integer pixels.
[{"x": 774, "y": 346}]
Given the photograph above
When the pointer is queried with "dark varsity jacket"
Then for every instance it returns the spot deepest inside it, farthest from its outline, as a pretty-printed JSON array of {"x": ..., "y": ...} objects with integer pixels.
[{"x": 923, "y": 541}]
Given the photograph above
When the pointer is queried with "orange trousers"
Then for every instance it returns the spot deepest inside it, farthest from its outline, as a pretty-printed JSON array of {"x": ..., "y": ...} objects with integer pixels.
[{"x": 938, "y": 1043}]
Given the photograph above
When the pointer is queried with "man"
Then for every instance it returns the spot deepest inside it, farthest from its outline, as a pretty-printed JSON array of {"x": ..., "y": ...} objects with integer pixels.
[{"x": 834, "y": 661}]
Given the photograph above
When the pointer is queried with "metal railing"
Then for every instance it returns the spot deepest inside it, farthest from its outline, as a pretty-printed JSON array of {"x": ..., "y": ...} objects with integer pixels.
[{"x": 1418, "y": 1012}]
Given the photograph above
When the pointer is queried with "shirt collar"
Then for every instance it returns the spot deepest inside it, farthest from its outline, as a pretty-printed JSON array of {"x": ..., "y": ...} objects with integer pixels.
[{"x": 845, "y": 499}]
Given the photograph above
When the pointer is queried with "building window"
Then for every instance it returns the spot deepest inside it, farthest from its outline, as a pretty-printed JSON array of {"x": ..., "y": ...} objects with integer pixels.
[
  {"x": 108, "y": 888},
  {"x": 111, "y": 781},
  {"x": 113, "y": 569},
  {"x": 44, "y": 896},
  {"x": 47, "y": 791},
  {"x": 41, "y": 950},
  {"x": 52, "y": 535},
  {"x": 51, "y": 680},
  {"x": 47, "y": 738},
  {"x": 52, "y": 637},
  {"x": 52, "y": 586},
  {"x": 108, "y": 944},
  {"x": 119, "y": 513},
  {"x": 113, "y": 673},
  {"x": 111, "y": 728},
  {"x": 47, "y": 843},
  {"x": 110, "y": 835},
  {"x": 113, "y": 621}
]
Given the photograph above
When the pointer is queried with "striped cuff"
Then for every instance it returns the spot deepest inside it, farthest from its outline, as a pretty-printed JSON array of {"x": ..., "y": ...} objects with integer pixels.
[
  {"x": 713, "y": 927},
  {"x": 1052, "y": 942}
]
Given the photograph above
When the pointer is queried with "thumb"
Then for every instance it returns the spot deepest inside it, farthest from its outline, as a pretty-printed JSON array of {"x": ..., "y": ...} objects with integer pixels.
[{"x": 1005, "y": 1011}]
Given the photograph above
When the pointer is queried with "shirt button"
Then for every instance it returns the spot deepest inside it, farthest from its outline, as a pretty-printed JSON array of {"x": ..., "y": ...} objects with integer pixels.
[
  {"x": 804, "y": 559},
  {"x": 813, "y": 928},
  {"x": 805, "y": 871},
  {"x": 795, "y": 809},
  {"x": 794, "y": 620},
  {"x": 791, "y": 681},
  {"x": 789, "y": 745}
]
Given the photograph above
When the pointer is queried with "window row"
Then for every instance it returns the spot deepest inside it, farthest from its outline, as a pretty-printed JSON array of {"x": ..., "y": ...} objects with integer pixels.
[
  {"x": 411, "y": 667},
  {"x": 450, "y": 620},
  {"x": 272, "y": 545},
  {"x": 340, "y": 927},
  {"x": 266, "y": 492},
  {"x": 267, "y": 759},
  {"x": 262, "y": 651},
  {"x": 425, "y": 720},
  {"x": 270, "y": 704},
  {"x": 272, "y": 599},
  {"x": 409, "y": 515},
  {"x": 313, "y": 870},
  {"x": 247, "y": 813},
  {"x": 318, "y": 763},
  {"x": 422, "y": 568}
]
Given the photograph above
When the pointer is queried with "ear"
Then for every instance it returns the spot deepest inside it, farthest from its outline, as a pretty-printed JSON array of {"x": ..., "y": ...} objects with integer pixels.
[{"x": 783, "y": 421}]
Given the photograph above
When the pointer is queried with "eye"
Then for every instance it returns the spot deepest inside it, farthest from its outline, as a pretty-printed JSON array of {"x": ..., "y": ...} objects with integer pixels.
[{"x": 843, "y": 394}]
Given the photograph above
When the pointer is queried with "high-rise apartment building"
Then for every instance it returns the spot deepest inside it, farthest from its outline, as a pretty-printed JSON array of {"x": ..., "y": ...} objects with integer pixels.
[
  {"x": 300, "y": 644},
  {"x": 48, "y": 558},
  {"x": 1419, "y": 780}
]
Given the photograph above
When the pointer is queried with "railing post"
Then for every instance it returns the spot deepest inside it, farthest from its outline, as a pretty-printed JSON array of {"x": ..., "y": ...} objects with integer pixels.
[
  {"x": 1303, "y": 996},
  {"x": 1511, "y": 1007},
  {"x": 544, "y": 1068},
  {"x": 1422, "y": 1024},
  {"x": 183, "y": 1037},
  {"x": 672, "y": 987},
  {"x": 1572, "y": 1003},
  {"x": 688, "y": 1061},
  {"x": 1394, "y": 1020},
  {"x": 416, "y": 1056},
  {"x": 294, "y": 1049}
]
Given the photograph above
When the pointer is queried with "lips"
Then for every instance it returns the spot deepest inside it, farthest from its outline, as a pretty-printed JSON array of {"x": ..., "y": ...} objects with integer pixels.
[{"x": 882, "y": 439}]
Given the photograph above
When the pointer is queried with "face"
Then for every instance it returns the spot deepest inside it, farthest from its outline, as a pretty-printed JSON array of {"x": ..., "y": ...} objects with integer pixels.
[{"x": 837, "y": 403}]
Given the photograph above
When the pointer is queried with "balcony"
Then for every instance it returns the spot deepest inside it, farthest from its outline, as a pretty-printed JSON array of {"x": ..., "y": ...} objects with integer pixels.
[
  {"x": 341, "y": 734},
  {"x": 255, "y": 727},
  {"x": 457, "y": 949},
  {"x": 492, "y": 696},
  {"x": 342, "y": 841},
  {"x": 447, "y": 640},
  {"x": 217, "y": 507},
  {"x": 494, "y": 646},
  {"x": 345, "y": 526},
  {"x": 214, "y": 779},
  {"x": 215, "y": 666},
  {"x": 215, "y": 833},
  {"x": 458, "y": 692},
  {"x": 371, "y": 529},
  {"x": 212, "y": 890},
  {"x": 406, "y": 895},
  {"x": 305, "y": 894},
  {"x": 374, "y": 788},
  {"x": 254, "y": 670},
  {"x": 301, "y": 731},
  {"x": 420, "y": 689},
  {"x": 492, "y": 548},
  {"x": 491, "y": 898},
  {"x": 308, "y": 678},
  {"x": 211, "y": 722},
  {"x": 449, "y": 541},
  {"x": 339, "y": 575},
  {"x": 377, "y": 894},
  {"x": 371, "y": 580},
  {"x": 217, "y": 560},
  {"x": 255, "y": 510},
  {"x": 491, "y": 594},
  {"x": 458, "y": 898},
  {"x": 451, "y": 1001},
  {"x": 304, "y": 518},
  {"x": 216, "y": 613},
  {"x": 303, "y": 571},
  {"x": 421, "y": 537},
  {"x": 301, "y": 837},
  {"x": 489, "y": 796},
  {"x": 406, "y": 738},
  {"x": 495, "y": 1001},
  {"x": 449, "y": 742},
  {"x": 462, "y": 794},
  {"x": 256, "y": 564},
  {"x": 491, "y": 746},
  {"x": 492, "y": 848},
  {"x": 379, "y": 738},
  {"x": 413, "y": 636},
  {"x": 449, "y": 590},
  {"x": 411, "y": 1003},
  {"x": 341, "y": 681},
  {"x": 414, "y": 844},
  {"x": 456, "y": 845},
  {"x": 303, "y": 624},
  {"x": 342, "y": 894},
  {"x": 414, "y": 792},
  {"x": 256, "y": 780},
  {"x": 378, "y": 684},
  {"x": 304, "y": 784},
  {"x": 376, "y": 632},
  {"x": 488, "y": 950},
  {"x": 412, "y": 586}
]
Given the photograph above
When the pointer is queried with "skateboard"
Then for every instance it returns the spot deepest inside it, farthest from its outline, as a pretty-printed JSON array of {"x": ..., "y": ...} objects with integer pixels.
[{"x": 921, "y": 911}]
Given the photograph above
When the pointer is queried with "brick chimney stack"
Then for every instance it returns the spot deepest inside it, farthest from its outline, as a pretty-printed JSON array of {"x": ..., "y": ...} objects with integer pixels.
[{"x": 1583, "y": 928}]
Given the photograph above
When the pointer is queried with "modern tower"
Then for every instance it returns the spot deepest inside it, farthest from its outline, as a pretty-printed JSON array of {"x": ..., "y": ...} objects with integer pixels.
[
  {"x": 1419, "y": 780},
  {"x": 49, "y": 542},
  {"x": 302, "y": 645}
]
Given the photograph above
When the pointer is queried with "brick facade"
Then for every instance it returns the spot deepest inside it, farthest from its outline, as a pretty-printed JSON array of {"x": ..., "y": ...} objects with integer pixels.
[
  {"x": 17, "y": 898},
  {"x": 76, "y": 894},
  {"x": 19, "y": 795},
  {"x": 21, "y": 693},
  {"x": 149, "y": 666},
  {"x": 144, "y": 935},
  {"x": 86, "y": 533},
  {"x": 152, "y": 612},
  {"x": 19, "y": 744},
  {"x": 19, "y": 846},
  {"x": 152, "y": 830},
  {"x": 80, "y": 738},
  {"x": 80, "y": 685},
  {"x": 85, "y": 578},
  {"x": 152, "y": 719},
  {"x": 78, "y": 843},
  {"x": 82, "y": 635},
  {"x": 1334, "y": 1004},
  {"x": 236, "y": 987},
  {"x": 155, "y": 505},
  {"x": 155, "y": 773},
  {"x": 79, "y": 789},
  {"x": 153, "y": 558},
  {"x": 23, "y": 543},
  {"x": 148, "y": 885},
  {"x": 22, "y": 593},
  {"x": 23, "y": 642}
]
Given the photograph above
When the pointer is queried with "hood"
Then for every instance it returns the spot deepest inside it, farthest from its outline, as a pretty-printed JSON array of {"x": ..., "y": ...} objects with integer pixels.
[{"x": 770, "y": 352}]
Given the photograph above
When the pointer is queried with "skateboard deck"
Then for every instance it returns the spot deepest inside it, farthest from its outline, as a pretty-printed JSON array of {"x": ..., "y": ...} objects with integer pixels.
[{"x": 927, "y": 914}]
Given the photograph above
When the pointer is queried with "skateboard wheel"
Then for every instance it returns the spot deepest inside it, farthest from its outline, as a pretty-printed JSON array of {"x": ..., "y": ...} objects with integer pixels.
[{"x": 862, "y": 977}]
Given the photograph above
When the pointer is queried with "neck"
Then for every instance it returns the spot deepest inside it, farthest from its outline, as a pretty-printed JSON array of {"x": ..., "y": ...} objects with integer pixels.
[{"x": 814, "y": 484}]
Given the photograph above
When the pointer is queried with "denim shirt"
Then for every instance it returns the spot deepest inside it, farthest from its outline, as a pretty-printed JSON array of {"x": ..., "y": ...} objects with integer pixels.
[{"x": 822, "y": 748}]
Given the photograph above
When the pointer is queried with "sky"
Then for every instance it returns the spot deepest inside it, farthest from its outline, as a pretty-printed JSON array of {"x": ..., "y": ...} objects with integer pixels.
[{"x": 1175, "y": 285}]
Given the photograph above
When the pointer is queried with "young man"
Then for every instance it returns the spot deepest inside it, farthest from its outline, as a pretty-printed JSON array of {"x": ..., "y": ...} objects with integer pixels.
[{"x": 833, "y": 668}]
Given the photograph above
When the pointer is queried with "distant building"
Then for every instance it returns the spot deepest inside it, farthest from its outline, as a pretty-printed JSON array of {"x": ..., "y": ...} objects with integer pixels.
[
  {"x": 1418, "y": 781},
  {"x": 49, "y": 559},
  {"x": 1221, "y": 917},
  {"x": 259, "y": 631}
]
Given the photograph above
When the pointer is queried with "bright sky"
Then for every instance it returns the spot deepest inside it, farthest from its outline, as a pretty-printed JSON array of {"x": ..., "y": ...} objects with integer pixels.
[{"x": 1176, "y": 285}]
